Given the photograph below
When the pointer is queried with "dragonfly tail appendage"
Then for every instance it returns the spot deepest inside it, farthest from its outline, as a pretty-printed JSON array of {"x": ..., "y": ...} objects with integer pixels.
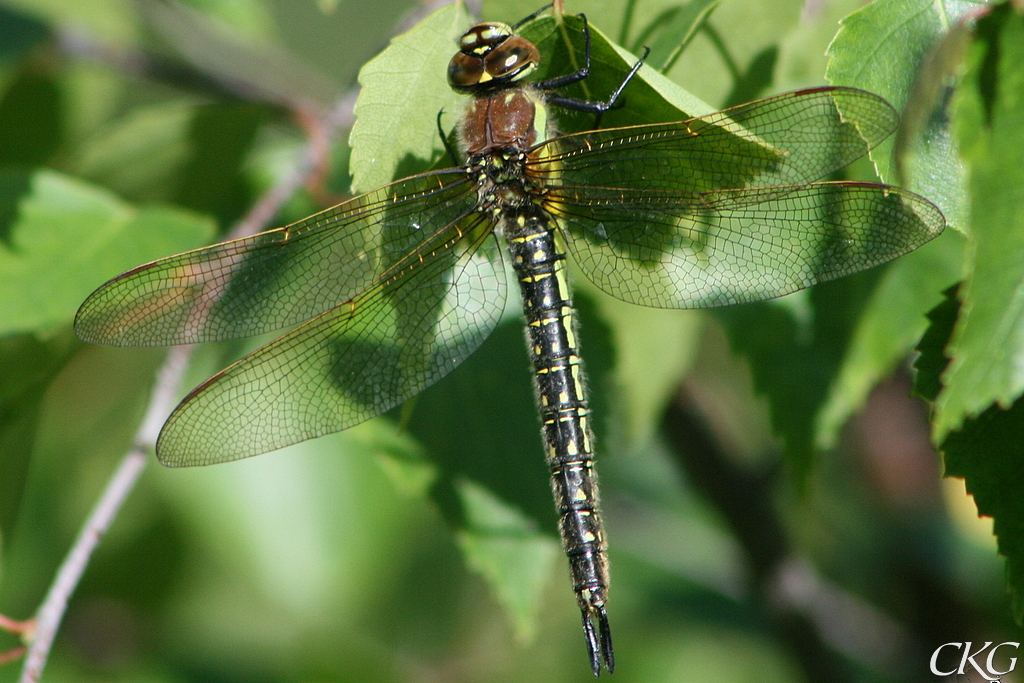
[{"x": 599, "y": 639}]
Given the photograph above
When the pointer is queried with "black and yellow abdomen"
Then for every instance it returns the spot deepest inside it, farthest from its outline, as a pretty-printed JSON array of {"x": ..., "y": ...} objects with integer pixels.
[
  {"x": 500, "y": 127},
  {"x": 538, "y": 258}
]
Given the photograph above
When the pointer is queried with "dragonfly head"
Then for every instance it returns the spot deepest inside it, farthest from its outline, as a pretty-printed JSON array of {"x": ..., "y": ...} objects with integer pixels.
[{"x": 491, "y": 56}]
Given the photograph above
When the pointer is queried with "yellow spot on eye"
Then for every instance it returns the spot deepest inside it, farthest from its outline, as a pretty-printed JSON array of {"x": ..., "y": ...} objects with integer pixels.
[{"x": 484, "y": 77}]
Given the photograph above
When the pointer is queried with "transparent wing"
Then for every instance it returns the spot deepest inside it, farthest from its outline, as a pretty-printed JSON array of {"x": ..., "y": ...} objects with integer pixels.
[
  {"x": 788, "y": 139},
  {"x": 725, "y": 208},
  {"x": 352, "y": 362},
  {"x": 735, "y": 246},
  {"x": 276, "y": 279}
]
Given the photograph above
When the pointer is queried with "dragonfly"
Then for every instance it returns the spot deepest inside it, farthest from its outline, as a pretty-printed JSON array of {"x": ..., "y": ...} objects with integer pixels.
[{"x": 386, "y": 293}]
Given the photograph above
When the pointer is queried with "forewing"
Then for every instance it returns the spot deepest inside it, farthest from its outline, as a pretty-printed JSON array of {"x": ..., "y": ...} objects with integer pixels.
[
  {"x": 353, "y": 362},
  {"x": 789, "y": 139},
  {"x": 736, "y": 246},
  {"x": 276, "y": 279}
]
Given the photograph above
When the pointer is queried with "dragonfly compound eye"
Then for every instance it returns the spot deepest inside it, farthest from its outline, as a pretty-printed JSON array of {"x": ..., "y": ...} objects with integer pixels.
[
  {"x": 483, "y": 37},
  {"x": 512, "y": 60},
  {"x": 491, "y": 55},
  {"x": 465, "y": 71}
]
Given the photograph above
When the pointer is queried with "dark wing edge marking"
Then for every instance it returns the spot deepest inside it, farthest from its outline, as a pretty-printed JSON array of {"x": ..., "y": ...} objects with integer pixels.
[
  {"x": 275, "y": 279},
  {"x": 352, "y": 362}
]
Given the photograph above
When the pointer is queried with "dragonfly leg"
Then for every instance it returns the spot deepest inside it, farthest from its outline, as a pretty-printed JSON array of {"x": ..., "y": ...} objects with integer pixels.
[
  {"x": 597, "y": 107},
  {"x": 586, "y": 105},
  {"x": 531, "y": 16},
  {"x": 452, "y": 154},
  {"x": 576, "y": 76}
]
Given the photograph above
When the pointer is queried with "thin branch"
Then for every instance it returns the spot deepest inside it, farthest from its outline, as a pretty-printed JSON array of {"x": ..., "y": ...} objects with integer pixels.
[
  {"x": 16, "y": 627},
  {"x": 26, "y": 629},
  {"x": 321, "y": 132},
  {"x": 51, "y": 612}
]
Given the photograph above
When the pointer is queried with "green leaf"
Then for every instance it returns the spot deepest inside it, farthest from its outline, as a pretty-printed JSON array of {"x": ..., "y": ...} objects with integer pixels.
[
  {"x": 649, "y": 98},
  {"x": 890, "y": 325},
  {"x": 27, "y": 366},
  {"x": 721, "y": 55},
  {"x": 796, "y": 346},
  {"x": 988, "y": 452},
  {"x": 19, "y": 34},
  {"x": 498, "y": 447},
  {"x": 880, "y": 48},
  {"x": 101, "y": 19},
  {"x": 976, "y": 345},
  {"x": 213, "y": 181},
  {"x": 505, "y": 455},
  {"x": 506, "y": 548},
  {"x": 788, "y": 367},
  {"x": 139, "y": 154},
  {"x": 403, "y": 89},
  {"x": 191, "y": 156},
  {"x": 61, "y": 238},
  {"x": 987, "y": 348},
  {"x": 678, "y": 32},
  {"x": 653, "y": 351},
  {"x": 31, "y": 119}
]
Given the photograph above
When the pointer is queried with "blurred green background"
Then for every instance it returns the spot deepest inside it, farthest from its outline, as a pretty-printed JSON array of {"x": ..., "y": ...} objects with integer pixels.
[{"x": 774, "y": 507}]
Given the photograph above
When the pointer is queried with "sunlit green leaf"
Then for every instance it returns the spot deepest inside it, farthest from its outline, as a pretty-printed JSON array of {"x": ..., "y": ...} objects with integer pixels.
[
  {"x": 403, "y": 89},
  {"x": 60, "y": 238},
  {"x": 509, "y": 552},
  {"x": 679, "y": 31},
  {"x": 891, "y": 323},
  {"x": 880, "y": 48},
  {"x": 987, "y": 349}
]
